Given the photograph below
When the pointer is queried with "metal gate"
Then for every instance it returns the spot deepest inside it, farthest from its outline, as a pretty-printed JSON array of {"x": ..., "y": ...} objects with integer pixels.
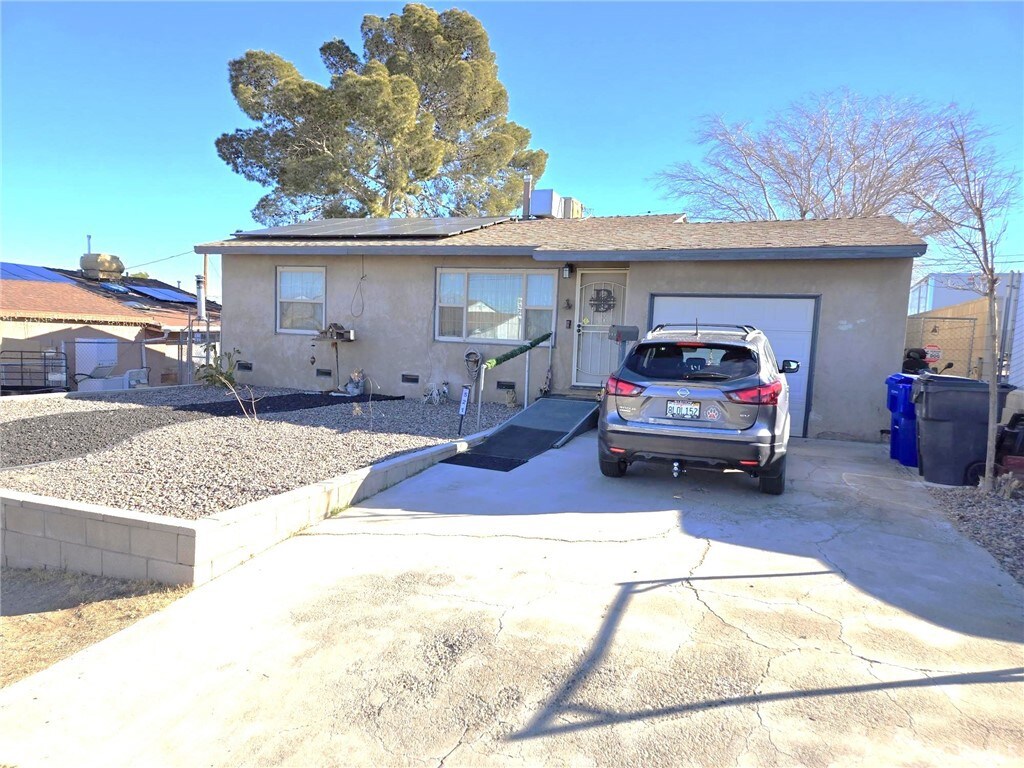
[{"x": 600, "y": 304}]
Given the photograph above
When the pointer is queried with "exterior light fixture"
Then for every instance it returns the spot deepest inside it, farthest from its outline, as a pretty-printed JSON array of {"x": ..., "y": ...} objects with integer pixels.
[{"x": 568, "y": 270}]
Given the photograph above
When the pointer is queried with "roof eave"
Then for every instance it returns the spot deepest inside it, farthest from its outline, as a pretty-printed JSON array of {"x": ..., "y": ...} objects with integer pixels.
[
  {"x": 263, "y": 249},
  {"x": 56, "y": 317},
  {"x": 543, "y": 254},
  {"x": 816, "y": 252}
]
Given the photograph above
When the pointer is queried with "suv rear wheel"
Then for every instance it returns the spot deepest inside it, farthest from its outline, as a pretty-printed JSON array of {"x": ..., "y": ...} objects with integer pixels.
[
  {"x": 774, "y": 483},
  {"x": 612, "y": 467}
]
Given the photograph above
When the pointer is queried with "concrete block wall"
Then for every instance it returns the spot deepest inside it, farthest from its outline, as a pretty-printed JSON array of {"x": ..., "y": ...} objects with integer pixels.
[{"x": 42, "y": 532}]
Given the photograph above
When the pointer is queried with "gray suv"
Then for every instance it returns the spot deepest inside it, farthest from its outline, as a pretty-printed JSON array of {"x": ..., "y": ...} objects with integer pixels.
[{"x": 703, "y": 396}]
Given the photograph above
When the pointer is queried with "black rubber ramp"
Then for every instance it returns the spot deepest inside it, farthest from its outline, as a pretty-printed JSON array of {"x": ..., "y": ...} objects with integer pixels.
[
  {"x": 480, "y": 461},
  {"x": 509, "y": 444}
]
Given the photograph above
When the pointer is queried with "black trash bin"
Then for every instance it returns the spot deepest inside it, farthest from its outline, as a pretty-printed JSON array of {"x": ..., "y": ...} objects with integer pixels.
[{"x": 952, "y": 424}]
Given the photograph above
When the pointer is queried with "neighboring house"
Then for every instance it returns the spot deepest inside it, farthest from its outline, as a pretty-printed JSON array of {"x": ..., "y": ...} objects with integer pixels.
[
  {"x": 59, "y": 327},
  {"x": 829, "y": 293},
  {"x": 944, "y": 289},
  {"x": 958, "y": 333}
]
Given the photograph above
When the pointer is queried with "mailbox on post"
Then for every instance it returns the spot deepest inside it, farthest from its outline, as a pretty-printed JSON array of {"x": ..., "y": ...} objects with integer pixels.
[{"x": 623, "y": 333}]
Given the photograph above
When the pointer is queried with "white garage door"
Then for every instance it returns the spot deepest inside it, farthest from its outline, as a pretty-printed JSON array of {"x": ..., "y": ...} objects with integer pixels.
[{"x": 788, "y": 323}]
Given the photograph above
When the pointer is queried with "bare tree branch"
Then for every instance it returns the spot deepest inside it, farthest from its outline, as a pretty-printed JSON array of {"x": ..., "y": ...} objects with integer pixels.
[
  {"x": 969, "y": 193},
  {"x": 836, "y": 155}
]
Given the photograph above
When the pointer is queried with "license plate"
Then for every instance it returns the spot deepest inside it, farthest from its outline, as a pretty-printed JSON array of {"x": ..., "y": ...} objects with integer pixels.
[{"x": 683, "y": 409}]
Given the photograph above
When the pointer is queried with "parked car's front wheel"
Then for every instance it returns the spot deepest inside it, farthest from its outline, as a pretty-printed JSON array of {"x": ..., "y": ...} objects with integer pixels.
[
  {"x": 612, "y": 467},
  {"x": 774, "y": 483}
]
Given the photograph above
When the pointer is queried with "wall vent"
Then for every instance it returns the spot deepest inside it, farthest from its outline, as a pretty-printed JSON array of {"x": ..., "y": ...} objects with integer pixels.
[
  {"x": 410, "y": 378},
  {"x": 244, "y": 366},
  {"x": 324, "y": 372},
  {"x": 506, "y": 385}
]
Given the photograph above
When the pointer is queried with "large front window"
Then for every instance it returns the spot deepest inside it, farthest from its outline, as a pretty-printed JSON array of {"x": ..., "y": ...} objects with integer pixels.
[
  {"x": 494, "y": 304},
  {"x": 300, "y": 299}
]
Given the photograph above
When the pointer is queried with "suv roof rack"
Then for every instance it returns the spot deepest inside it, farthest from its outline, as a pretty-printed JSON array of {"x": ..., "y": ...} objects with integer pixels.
[{"x": 748, "y": 330}]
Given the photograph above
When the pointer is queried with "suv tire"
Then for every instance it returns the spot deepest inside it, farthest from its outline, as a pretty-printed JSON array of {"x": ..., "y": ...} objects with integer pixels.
[
  {"x": 612, "y": 467},
  {"x": 774, "y": 483}
]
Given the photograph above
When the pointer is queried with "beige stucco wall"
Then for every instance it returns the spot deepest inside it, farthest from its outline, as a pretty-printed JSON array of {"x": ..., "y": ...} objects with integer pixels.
[
  {"x": 33, "y": 336},
  {"x": 395, "y": 330},
  {"x": 860, "y": 334},
  {"x": 862, "y": 319}
]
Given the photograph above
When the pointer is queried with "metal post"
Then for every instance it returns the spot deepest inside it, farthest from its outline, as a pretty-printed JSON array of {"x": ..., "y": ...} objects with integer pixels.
[
  {"x": 188, "y": 352},
  {"x": 526, "y": 394},
  {"x": 207, "y": 339},
  {"x": 480, "y": 395}
]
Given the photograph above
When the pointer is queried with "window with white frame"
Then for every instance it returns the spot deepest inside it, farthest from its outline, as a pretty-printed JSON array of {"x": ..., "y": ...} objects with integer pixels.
[
  {"x": 300, "y": 299},
  {"x": 500, "y": 305}
]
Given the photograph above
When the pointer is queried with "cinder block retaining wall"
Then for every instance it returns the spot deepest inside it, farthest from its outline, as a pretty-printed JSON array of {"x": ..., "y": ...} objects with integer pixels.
[{"x": 43, "y": 532}]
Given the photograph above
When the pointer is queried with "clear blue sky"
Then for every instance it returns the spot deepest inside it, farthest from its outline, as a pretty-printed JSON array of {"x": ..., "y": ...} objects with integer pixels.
[{"x": 110, "y": 110}]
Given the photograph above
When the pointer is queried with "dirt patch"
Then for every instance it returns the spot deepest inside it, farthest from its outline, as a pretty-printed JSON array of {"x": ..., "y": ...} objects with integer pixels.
[{"x": 46, "y": 616}]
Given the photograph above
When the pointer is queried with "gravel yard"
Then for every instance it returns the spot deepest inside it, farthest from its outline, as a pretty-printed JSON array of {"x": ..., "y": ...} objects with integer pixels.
[
  {"x": 191, "y": 465},
  {"x": 991, "y": 520}
]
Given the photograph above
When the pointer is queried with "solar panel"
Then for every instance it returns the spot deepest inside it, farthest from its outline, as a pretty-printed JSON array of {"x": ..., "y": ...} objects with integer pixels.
[
  {"x": 9, "y": 271},
  {"x": 114, "y": 287},
  {"x": 375, "y": 228},
  {"x": 162, "y": 294}
]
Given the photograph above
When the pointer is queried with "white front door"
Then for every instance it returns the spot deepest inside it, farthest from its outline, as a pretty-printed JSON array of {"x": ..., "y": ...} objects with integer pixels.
[{"x": 600, "y": 304}]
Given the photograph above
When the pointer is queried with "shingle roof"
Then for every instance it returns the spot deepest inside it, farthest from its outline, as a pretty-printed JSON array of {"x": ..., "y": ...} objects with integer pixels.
[
  {"x": 618, "y": 235},
  {"x": 40, "y": 293},
  {"x": 30, "y": 299}
]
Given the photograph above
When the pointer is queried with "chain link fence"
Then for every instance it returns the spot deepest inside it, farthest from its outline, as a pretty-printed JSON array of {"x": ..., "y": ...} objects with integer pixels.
[
  {"x": 948, "y": 340},
  {"x": 959, "y": 334}
]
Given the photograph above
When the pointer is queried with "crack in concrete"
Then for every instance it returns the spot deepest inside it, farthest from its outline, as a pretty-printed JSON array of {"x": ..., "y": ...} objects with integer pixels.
[
  {"x": 757, "y": 711},
  {"x": 661, "y": 535},
  {"x": 986, "y": 728},
  {"x": 702, "y": 601},
  {"x": 891, "y": 695},
  {"x": 458, "y": 744}
]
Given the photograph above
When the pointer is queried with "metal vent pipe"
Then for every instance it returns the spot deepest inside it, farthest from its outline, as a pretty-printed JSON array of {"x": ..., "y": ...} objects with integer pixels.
[
  {"x": 527, "y": 194},
  {"x": 201, "y": 297}
]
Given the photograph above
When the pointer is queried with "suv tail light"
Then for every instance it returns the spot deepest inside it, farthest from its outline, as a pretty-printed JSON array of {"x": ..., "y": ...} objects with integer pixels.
[
  {"x": 622, "y": 388},
  {"x": 764, "y": 395}
]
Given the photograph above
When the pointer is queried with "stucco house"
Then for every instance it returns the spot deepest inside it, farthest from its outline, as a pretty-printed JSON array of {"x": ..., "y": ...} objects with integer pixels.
[
  {"x": 419, "y": 293},
  {"x": 72, "y": 329}
]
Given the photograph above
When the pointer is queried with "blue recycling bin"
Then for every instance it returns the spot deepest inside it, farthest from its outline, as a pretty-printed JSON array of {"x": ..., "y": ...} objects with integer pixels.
[{"x": 903, "y": 419}]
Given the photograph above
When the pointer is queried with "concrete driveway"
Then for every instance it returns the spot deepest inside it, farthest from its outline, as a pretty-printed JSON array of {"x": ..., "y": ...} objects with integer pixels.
[{"x": 551, "y": 616}]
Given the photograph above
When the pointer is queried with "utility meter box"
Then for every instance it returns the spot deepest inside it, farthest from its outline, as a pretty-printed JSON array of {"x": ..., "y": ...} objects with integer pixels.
[{"x": 621, "y": 333}]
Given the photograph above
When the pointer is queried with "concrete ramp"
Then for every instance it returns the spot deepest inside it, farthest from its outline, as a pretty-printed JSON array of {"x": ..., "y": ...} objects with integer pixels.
[{"x": 550, "y": 422}]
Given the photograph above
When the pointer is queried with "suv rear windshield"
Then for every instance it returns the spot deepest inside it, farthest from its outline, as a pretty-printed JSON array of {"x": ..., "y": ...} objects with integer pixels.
[{"x": 691, "y": 360}]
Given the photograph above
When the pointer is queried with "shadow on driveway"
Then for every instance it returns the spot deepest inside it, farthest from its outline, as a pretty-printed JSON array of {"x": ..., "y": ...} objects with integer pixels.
[{"x": 560, "y": 715}]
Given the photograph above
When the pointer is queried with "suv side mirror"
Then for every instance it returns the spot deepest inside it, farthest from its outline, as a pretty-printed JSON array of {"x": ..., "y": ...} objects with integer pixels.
[{"x": 790, "y": 366}]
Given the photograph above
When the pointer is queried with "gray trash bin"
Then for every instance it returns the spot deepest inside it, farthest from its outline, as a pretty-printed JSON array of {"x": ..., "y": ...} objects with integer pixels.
[{"x": 952, "y": 425}]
